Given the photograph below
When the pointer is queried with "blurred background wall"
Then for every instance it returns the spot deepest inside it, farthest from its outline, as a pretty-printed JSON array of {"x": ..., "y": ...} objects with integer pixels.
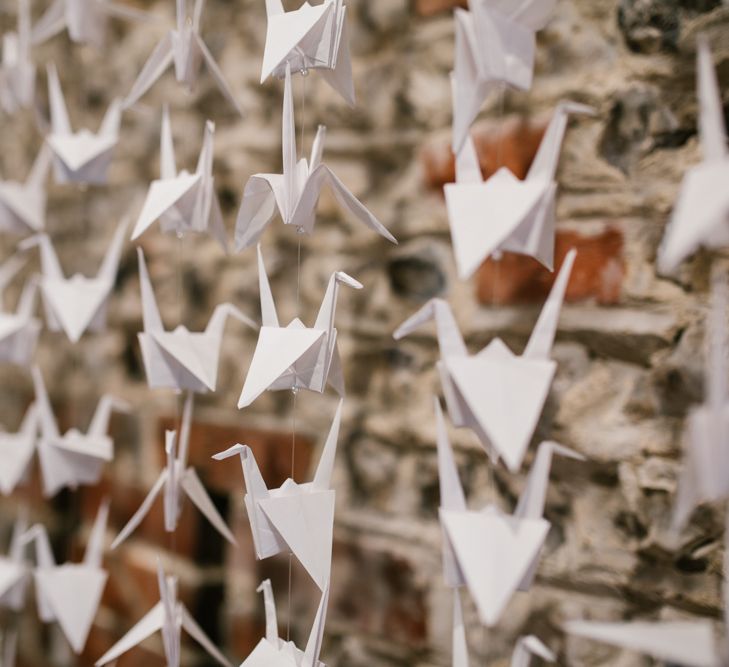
[{"x": 629, "y": 346}]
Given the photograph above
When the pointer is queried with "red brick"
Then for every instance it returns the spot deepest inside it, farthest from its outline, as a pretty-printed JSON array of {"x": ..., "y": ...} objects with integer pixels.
[
  {"x": 512, "y": 142},
  {"x": 430, "y": 7},
  {"x": 598, "y": 272}
]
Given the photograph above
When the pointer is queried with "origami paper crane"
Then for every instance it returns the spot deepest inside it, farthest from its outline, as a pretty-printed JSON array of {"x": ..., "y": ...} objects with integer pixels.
[
  {"x": 74, "y": 458},
  {"x": 168, "y": 616},
  {"x": 311, "y": 37},
  {"x": 174, "y": 481},
  {"x": 295, "y": 357},
  {"x": 14, "y": 569},
  {"x": 19, "y": 330},
  {"x": 70, "y": 594},
  {"x": 85, "y": 20},
  {"x": 703, "y": 476},
  {"x": 16, "y": 452},
  {"x": 495, "y": 393},
  {"x": 505, "y": 213},
  {"x": 76, "y": 304},
  {"x": 688, "y": 643},
  {"x": 17, "y": 72},
  {"x": 272, "y": 651},
  {"x": 493, "y": 553},
  {"x": 183, "y": 201},
  {"x": 528, "y": 646},
  {"x": 295, "y": 518},
  {"x": 23, "y": 205},
  {"x": 183, "y": 47},
  {"x": 701, "y": 214},
  {"x": 180, "y": 359},
  {"x": 295, "y": 193},
  {"x": 83, "y": 156},
  {"x": 495, "y": 47}
]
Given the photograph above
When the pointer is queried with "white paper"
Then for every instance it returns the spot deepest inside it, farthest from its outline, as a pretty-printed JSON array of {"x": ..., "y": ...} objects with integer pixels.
[
  {"x": 181, "y": 359},
  {"x": 74, "y": 458},
  {"x": 176, "y": 481},
  {"x": 504, "y": 213},
  {"x": 15, "y": 569},
  {"x": 77, "y": 304},
  {"x": 495, "y": 393},
  {"x": 701, "y": 214},
  {"x": 295, "y": 193},
  {"x": 168, "y": 616},
  {"x": 295, "y": 357},
  {"x": 460, "y": 645},
  {"x": 17, "y": 71},
  {"x": 19, "y": 330},
  {"x": 84, "y": 156},
  {"x": 16, "y": 452},
  {"x": 295, "y": 517},
  {"x": 182, "y": 201},
  {"x": 529, "y": 646},
  {"x": 184, "y": 48},
  {"x": 311, "y": 37},
  {"x": 23, "y": 205}
]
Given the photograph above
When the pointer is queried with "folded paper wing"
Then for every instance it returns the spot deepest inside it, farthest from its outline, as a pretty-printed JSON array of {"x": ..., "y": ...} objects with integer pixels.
[
  {"x": 529, "y": 646},
  {"x": 311, "y": 37},
  {"x": 23, "y": 205},
  {"x": 14, "y": 569},
  {"x": 295, "y": 357},
  {"x": 181, "y": 359},
  {"x": 19, "y": 331},
  {"x": 701, "y": 214},
  {"x": 691, "y": 644},
  {"x": 17, "y": 71},
  {"x": 295, "y": 193},
  {"x": 16, "y": 452},
  {"x": 80, "y": 157},
  {"x": 295, "y": 517}
]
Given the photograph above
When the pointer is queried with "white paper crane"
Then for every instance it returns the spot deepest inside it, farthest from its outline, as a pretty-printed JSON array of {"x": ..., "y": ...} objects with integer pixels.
[
  {"x": 687, "y": 643},
  {"x": 529, "y": 646},
  {"x": 182, "y": 201},
  {"x": 272, "y": 651},
  {"x": 311, "y": 37},
  {"x": 505, "y": 213},
  {"x": 85, "y": 20},
  {"x": 183, "y": 47},
  {"x": 295, "y": 193},
  {"x": 170, "y": 617},
  {"x": 17, "y": 72},
  {"x": 703, "y": 477},
  {"x": 295, "y": 357},
  {"x": 175, "y": 482},
  {"x": 495, "y": 393},
  {"x": 495, "y": 47},
  {"x": 19, "y": 330},
  {"x": 492, "y": 553},
  {"x": 74, "y": 458},
  {"x": 701, "y": 214},
  {"x": 180, "y": 359},
  {"x": 15, "y": 569},
  {"x": 77, "y": 304},
  {"x": 84, "y": 156},
  {"x": 295, "y": 518},
  {"x": 70, "y": 594},
  {"x": 23, "y": 205},
  {"x": 16, "y": 453}
]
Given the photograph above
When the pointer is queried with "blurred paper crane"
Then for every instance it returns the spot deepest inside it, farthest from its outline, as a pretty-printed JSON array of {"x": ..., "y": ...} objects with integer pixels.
[
  {"x": 77, "y": 304},
  {"x": 23, "y": 205},
  {"x": 701, "y": 214},
  {"x": 84, "y": 156},
  {"x": 311, "y": 37},
  {"x": 529, "y": 646},
  {"x": 170, "y": 617},
  {"x": 495, "y": 393},
  {"x": 295, "y": 357},
  {"x": 183, "y": 47},
  {"x": 16, "y": 452},
  {"x": 74, "y": 458},
  {"x": 505, "y": 213},
  {"x": 295, "y": 518},
  {"x": 180, "y": 359},
  {"x": 295, "y": 193},
  {"x": 19, "y": 330},
  {"x": 17, "y": 72},
  {"x": 182, "y": 201}
]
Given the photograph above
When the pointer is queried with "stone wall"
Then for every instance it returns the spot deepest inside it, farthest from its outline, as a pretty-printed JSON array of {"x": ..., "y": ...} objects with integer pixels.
[{"x": 629, "y": 346}]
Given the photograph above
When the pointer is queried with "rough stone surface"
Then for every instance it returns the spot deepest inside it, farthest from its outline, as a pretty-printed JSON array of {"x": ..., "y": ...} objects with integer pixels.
[{"x": 629, "y": 347}]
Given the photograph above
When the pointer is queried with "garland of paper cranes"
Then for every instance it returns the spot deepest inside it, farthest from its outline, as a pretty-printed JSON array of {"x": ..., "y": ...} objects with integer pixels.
[{"x": 495, "y": 393}]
